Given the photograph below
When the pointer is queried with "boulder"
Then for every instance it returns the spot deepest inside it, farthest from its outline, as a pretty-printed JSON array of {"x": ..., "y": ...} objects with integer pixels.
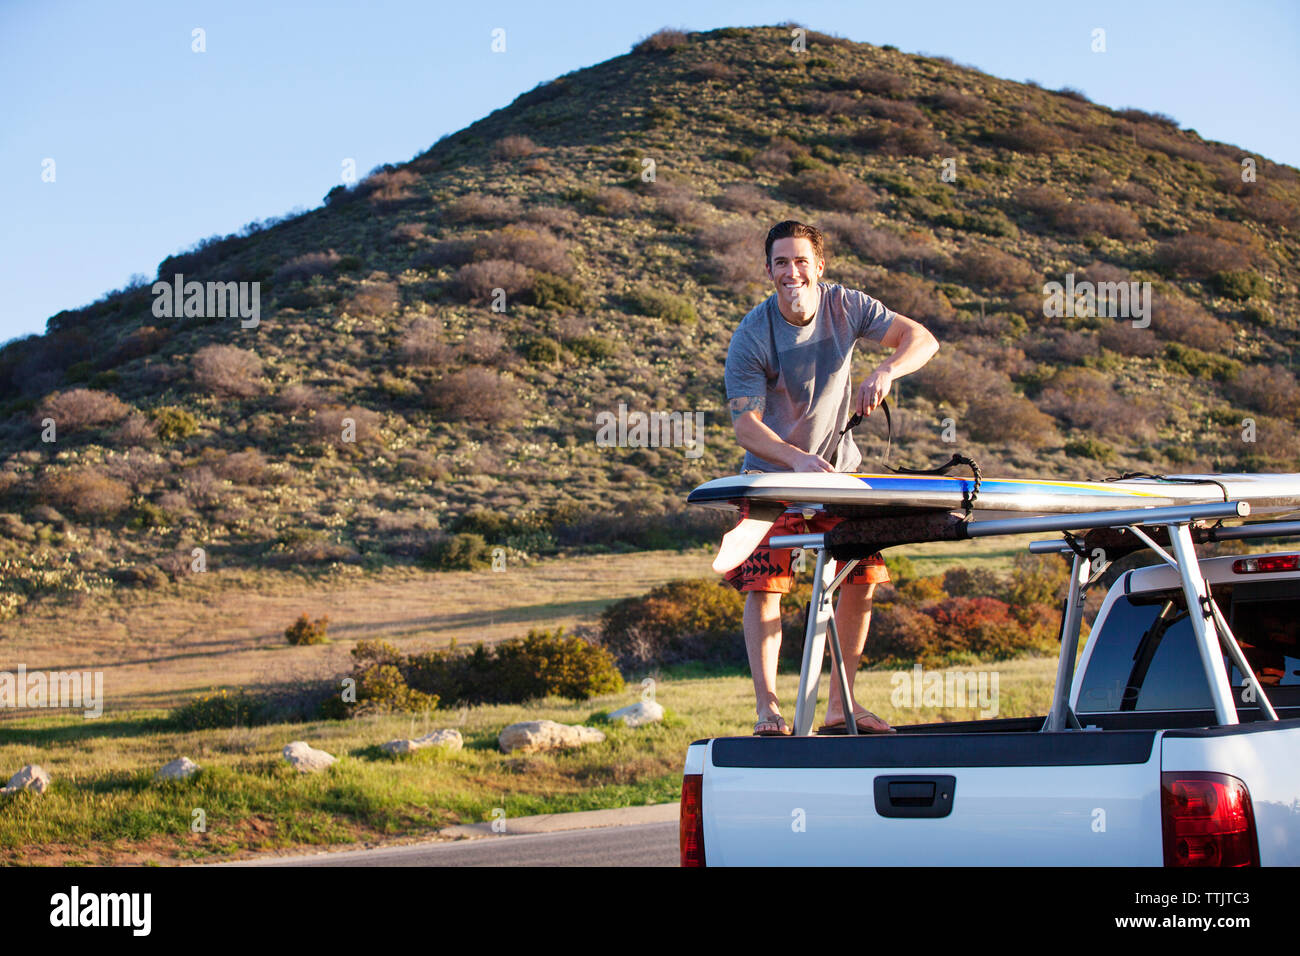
[
  {"x": 32, "y": 777},
  {"x": 307, "y": 759},
  {"x": 530, "y": 736},
  {"x": 178, "y": 769},
  {"x": 451, "y": 740},
  {"x": 642, "y": 712}
]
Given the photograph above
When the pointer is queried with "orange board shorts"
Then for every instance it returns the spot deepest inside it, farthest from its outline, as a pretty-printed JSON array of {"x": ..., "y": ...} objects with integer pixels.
[{"x": 769, "y": 569}]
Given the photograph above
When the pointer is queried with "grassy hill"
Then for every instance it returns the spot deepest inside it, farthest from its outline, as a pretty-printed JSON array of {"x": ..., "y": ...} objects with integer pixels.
[{"x": 382, "y": 403}]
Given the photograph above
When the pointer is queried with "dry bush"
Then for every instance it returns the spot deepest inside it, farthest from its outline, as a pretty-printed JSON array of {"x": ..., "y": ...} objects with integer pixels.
[
  {"x": 612, "y": 201},
  {"x": 1120, "y": 336},
  {"x": 246, "y": 467},
  {"x": 913, "y": 297},
  {"x": 134, "y": 431},
  {"x": 449, "y": 252},
  {"x": 296, "y": 399},
  {"x": 305, "y": 266},
  {"x": 884, "y": 82},
  {"x": 772, "y": 161},
  {"x": 874, "y": 245},
  {"x": 389, "y": 186},
  {"x": 376, "y": 299},
  {"x": 1029, "y": 137},
  {"x": 736, "y": 259},
  {"x": 330, "y": 423},
  {"x": 820, "y": 103},
  {"x": 141, "y": 342},
  {"x": 1085, "y": 399},
  {"x": 896, "y": 140},
  {"x": 1197, "y": 256},
  {"x": 743, "y": 198},
  {"x": 707, "y": 70},
  {"x": 996, "y": 271},
  {"x": 1270, "y": 389},
  {"x": 81, "y": 408},
  {"x": 1182, "y": 320},
  {"x": 1100, "y": 217},
  {"x": 1004, "y": 418},
  {"x": 962, "y": 104},
  {"x": 552, "y": 217},
  {"x": 424, "y": 343},
  {"x": 85, "y": 492},
  {"x": 1068, "y": 346},
  {"x": 407, "y": 232},
  {"x": 901, "y": 114},
  {"x": 661, "y": 41},
  {"x": 515, "y": 147},
  {"x": 1272, "y": 211},
  {"x": 475, "y": 207},
  {"x": 478, "y": 280},
  {"x": 483, "y": 346},
  {"x": 685, "y": 212},
  {"x": 535, "y": 250},
  {"x": 227, "y": 371},
  {"x": 474, "y": 394},
  {"x": 1135, "y": 193},
  {"x": 830, "y": 189},
  {"x": 953, "y": 377},
  {"x": 1043, "y": 201}
]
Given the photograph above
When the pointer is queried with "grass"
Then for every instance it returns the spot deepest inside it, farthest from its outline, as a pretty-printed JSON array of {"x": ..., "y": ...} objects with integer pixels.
[{"x": 104, "y": 807}]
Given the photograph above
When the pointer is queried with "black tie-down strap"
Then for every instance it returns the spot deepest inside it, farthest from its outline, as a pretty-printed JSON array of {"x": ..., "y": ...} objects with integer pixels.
[
  {"x": 862, "y": 537},
  {"x": 968, "y": 499}
]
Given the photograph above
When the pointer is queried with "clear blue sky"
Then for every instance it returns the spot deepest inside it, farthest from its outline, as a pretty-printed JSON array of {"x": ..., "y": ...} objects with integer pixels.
[{"x": 156, "y": 146}]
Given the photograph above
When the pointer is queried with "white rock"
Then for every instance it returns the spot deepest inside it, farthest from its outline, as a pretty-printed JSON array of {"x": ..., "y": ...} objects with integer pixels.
[
  {"x": 642, "y": 712},
  {"x": 533, "y": 735},
  {"x": 450, "y": 739},
  {"x": 31, "y": 777},
  {"x": 307, "y": 759},
  {"x": 178, "y": 769}
]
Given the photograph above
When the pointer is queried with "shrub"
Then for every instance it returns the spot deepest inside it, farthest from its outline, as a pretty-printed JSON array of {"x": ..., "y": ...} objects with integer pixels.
[
  {"x": 305, "y": 266},
  {"x": 996, "y": 271},
  {"x": 661, "y": 41},
  {"x": 479, "y": 345},
  {"x": 1270, "y": 389},
  {"x": 219, "y": 710},
  {"x": 884, "y": 82},
  {"x": 951, "y": 101},
  {"x": 1030, "y": 137},
  {"x": 542, "y": 350},
  {"x": 306, "y": 631},
  {"x": 389, "y": 185},
  {"x": 475, "y": 207},
  {"x": 135, "y": 430},
  {"x": 742, "y": 197},
  {"x": 1197, "y": 256},
  {"x": 668, "y": 306},
  {"x": 1182, "y": 320},
  {"x": 332, "y": 425},
  {"x": 555, "y": 292},
  {"x": 699, "y": 619},
  {"x": 227, "y": 371},
  {"x": 1037, "y": 579},
  {"x": 528, "y": 247},
  {"x": 1240, "y": 285},
  {"x": 296, "y": 399},
  {"x": 706, "y": 70},
  {"x": 913, "y": 297},
  {"x": 423, "y": 343},
  {"x": 82, "y": 408},
  {"x": 85, "y": 492},
  {"x": 592, "y": 347},
  {"x": 141, "y": 342},
  {"x": 460, "y": 552},
  {"x": 379, "y": 299},
  {"x": 972, "y": 582},
  {"x": 478, "y": 280},
  {"x": 830, "y": 189},
  {"x": 514, "y": 147},
  {"x": 173, "y": 423},
  {"x": 1104, "y": 218},
  {"x": 552, "y": 662},
  {"x": 1090, "y": 448},
  {"x": 243, "y": 467},
  {"x": 473, "y": 394}
]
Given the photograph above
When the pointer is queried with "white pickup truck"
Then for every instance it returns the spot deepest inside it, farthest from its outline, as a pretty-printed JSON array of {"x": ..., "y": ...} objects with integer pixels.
[{"x": 1161, "y": 753}]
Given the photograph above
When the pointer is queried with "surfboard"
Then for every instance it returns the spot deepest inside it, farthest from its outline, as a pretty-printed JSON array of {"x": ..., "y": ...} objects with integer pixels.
[{"x": 764, "y": 497}]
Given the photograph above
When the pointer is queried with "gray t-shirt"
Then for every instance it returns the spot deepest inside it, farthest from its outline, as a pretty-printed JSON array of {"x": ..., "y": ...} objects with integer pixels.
[{"x": 804, "y": 371}]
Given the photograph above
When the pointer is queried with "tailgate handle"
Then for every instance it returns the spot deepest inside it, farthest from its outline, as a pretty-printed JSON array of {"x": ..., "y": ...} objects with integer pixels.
[{"x": 915, "y": 796}]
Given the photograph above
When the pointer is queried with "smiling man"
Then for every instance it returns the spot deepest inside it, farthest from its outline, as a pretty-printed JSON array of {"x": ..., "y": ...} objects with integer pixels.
[{"x": 790, "y": 389}]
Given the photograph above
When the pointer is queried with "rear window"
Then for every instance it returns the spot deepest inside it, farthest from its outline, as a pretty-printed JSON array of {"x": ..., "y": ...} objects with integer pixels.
[{"x": 1148, "y": 661}]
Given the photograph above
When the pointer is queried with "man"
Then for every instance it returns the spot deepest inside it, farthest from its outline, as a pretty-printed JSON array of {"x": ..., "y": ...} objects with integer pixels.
[{"x": 789, "y": 386}]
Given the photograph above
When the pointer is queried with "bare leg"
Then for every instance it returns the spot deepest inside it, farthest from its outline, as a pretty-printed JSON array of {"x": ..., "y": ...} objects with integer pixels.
[
  {"x": 852, "y": 620},
  {"x": 763, "y": 644}
]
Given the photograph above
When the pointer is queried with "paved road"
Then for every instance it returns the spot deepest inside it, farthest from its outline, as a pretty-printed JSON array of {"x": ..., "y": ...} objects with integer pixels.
[{"x": 645, "y": 844}]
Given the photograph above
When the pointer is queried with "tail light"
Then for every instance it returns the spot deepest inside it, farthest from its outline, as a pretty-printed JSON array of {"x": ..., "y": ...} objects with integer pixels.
[
  {"x": 1269, "y": 564},
  {"x": 1207, "y": 820},
  {"x": 692, "y": 820}
]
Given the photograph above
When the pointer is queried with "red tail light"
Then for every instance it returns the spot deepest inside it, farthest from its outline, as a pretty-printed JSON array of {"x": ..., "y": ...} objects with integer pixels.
[
  {"x": 692, "y": 820},
  {"x": 1207, "y": 820},
  {"x": 1267, "y": 565}
]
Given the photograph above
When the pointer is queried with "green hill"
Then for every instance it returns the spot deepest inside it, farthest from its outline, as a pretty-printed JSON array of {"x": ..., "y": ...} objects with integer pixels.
[{"x": 381, "y": 403}]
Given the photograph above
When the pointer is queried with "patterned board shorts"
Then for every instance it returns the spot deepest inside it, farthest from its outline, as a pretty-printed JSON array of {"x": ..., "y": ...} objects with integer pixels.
[{"x": 769, "y": 569}]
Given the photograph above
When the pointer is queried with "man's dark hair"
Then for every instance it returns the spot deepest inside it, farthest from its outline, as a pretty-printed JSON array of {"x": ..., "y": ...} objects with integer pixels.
[{"x": 793, "y": 229}]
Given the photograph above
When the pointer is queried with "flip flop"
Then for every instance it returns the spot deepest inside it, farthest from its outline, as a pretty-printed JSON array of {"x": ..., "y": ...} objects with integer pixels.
[
  {"x": 783, "y": 729},
  {"x": 840, "y": 728}
]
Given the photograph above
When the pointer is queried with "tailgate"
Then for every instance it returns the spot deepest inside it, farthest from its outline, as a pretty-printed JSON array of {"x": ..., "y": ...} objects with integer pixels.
[{"x": 1020, "y": 799}]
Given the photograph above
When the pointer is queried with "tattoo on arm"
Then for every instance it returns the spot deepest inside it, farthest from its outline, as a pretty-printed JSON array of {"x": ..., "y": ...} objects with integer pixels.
[{"x": 752, "y": 403}]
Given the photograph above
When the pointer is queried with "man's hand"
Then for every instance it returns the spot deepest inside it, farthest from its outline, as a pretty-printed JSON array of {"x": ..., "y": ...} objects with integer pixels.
[
  {"x": 803, "y": 461},
  {"x": 873, "y": 391}
]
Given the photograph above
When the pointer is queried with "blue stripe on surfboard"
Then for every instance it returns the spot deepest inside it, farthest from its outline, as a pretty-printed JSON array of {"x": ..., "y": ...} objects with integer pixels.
[{"x": 1002, "y": 485}]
